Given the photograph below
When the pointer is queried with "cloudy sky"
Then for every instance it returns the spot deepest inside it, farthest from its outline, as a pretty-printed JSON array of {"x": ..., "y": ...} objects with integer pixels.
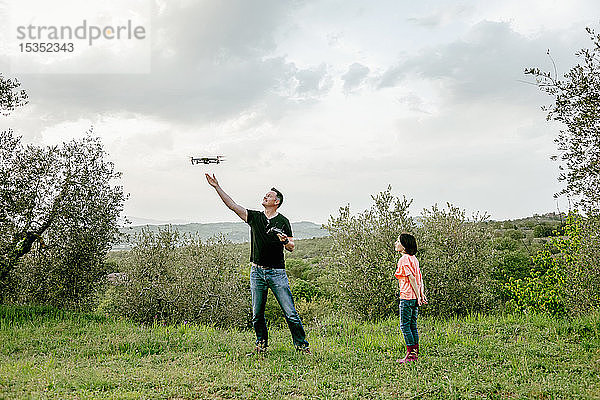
[{"x": 330, "y": 101}]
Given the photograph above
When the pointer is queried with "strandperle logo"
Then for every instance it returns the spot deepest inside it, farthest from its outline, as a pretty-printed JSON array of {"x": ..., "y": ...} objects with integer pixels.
[
  {"x": 80, "y": 37},
  {"x": 84, "y": 31}
]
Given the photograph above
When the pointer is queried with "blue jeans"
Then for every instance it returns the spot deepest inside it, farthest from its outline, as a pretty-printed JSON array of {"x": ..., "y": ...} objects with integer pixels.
[
  {"x": 276, "y": 279},
  {"x": 408, "y": 321}
]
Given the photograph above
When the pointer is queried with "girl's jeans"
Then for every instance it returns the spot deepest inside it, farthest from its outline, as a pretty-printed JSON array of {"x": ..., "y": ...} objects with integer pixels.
[
  {"x": 276, "y": 279},
  {"x": 408, "y": 321}
]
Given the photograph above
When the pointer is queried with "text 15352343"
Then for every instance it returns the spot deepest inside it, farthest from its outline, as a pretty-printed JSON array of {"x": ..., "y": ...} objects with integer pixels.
[{"x": 43, "y": 47}]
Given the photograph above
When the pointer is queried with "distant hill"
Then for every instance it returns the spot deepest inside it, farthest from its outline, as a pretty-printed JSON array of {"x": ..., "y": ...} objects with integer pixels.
[{"x": 237, "y": 232}]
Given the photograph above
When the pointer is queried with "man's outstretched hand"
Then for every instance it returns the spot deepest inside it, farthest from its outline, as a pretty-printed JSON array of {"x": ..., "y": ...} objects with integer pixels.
[
  {"x": 239, "y": 210},
  {"x": 212, "y": 181}
]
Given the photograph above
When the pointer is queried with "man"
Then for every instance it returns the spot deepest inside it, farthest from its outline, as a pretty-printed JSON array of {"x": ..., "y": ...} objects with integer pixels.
[{"x": 270, "y": 233}]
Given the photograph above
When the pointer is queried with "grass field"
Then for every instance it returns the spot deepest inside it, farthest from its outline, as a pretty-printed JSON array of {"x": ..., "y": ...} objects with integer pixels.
[{"x": 47, "y": 353}]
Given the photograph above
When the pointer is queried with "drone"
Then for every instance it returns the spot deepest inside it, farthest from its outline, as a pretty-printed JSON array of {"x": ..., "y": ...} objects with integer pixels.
[{"x": 207, "y": 160}]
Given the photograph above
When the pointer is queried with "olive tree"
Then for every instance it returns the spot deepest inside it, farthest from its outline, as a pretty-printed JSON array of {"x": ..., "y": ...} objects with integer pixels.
[
  {"x": 363, "y": 255},
  {"x": 457, "y": 261},
  {"x": 59, "y": 207},
  {"x": 577, "y": 107},
  {"x": 59, "y": 201},
  {"x": 11, "y": 96}
]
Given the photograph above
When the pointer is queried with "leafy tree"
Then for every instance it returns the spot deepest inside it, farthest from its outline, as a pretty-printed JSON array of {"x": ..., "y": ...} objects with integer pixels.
[
  {"x": 577, "y": 106},
  {"x": 457, "y": 262},
  {"x": 568, "y": 274},
  {"x": 58, "y": 201},
  {"x": 363, "y": 254},
  {"x": 543, "y": 230},
  {"x": 10, "y": 95},
  {"x": 567, "y": 277}
]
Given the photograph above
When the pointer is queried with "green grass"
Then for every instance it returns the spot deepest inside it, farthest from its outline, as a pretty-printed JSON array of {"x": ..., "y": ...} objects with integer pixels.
[{"x": 47, "y": 353}]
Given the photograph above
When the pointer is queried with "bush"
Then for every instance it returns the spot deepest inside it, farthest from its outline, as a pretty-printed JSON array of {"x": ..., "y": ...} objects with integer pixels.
[
  {"x": 175, "y": 279},
  {"x": 306, "y": 290},
  {"x": 508, "y": 225},
  {"x": 363, "y": 257},
  {"x": 539, "y": 292},
  {"x": 514, "y": 234},
  {"x": 583, "y": 271},
  {"x": 513, "y": 259},
  {"x": 65, "y": 273},
  {"x": 299, "y": 268},
  {"x": 457, "y": 260},
  {"x": 543, "y": 230},
  {"x": 566, "y": 278}
]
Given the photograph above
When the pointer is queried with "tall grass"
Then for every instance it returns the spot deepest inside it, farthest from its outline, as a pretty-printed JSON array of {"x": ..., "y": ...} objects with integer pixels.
[{"x": 47, "y": 353}]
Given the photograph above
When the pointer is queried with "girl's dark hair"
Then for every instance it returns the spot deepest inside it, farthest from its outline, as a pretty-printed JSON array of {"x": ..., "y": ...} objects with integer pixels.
[{"x": 409, "y": 243}]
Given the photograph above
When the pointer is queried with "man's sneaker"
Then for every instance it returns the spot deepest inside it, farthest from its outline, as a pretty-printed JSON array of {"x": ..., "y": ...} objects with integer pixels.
[
  {"x": 260, "y": 348},
  {"x": 303, "y": 349}
]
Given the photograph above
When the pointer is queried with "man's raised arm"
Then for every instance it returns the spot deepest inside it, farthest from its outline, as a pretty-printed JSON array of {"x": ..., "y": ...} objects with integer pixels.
[{"x": 232, "y": 205}]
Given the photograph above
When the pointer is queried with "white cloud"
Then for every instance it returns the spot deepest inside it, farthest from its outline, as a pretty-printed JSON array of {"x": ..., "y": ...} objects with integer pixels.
[
  {"x": 355, "y": 76},
  {"x": 329, "y": 101},
  {"x": 444, "y": 15}
]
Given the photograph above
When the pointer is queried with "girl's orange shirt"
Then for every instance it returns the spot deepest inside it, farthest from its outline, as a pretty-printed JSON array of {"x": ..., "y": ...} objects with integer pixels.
[{"x": 408, "y": 265}]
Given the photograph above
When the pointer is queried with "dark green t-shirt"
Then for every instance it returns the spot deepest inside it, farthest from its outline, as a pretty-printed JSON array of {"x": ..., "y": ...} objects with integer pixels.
[{"x": 266, "y": 249}]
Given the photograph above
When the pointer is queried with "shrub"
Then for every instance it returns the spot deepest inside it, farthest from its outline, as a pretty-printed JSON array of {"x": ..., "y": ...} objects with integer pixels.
[
  {"x": 514, "y": 234},
  {"x": 513, "y": 259},
  {"x": 63, "y": 274},
  {"x": 298, "y": 268},
  {"x": 509, "y": 225},
  {"x": 457, "y": 260},
  {"x": 543, "y": 230},
  {"x": 539, "y": 292},
  {"x": 363, "y": 258},
  {"x": 306, "y": 290},
  {"x": 583, "y": 271},
  {"x": 174, "y": 279},
  {"x": 567, "y": 274}
]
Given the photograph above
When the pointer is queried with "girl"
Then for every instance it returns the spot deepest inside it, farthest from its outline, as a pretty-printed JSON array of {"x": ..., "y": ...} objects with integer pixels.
[{"x": 412, "y": 294}]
